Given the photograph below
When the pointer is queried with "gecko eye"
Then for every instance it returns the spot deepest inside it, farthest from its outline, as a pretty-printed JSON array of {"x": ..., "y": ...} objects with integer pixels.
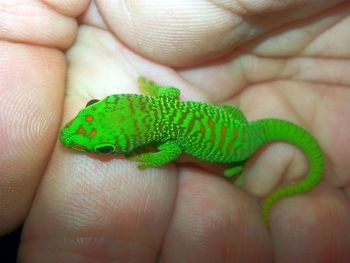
[
  {"x": 104, "y": 149},
  {"x": 92, "y": 102}
]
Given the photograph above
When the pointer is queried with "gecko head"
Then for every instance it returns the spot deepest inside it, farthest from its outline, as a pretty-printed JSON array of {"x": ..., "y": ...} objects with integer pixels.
[{"x": 89, "y": 131}]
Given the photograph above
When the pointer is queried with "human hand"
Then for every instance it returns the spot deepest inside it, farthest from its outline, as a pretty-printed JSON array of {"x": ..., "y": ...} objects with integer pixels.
[{"x": 288, "y": 61}]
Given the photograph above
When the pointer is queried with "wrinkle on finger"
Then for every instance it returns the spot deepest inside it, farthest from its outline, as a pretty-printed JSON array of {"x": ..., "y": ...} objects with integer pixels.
[{"x": 36, "y": 24}]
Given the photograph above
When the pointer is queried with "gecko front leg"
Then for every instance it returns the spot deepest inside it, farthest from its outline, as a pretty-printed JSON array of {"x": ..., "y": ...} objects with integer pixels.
[
  {"x": 151, "y": 88},
  {"x": 167, "y": 152}
]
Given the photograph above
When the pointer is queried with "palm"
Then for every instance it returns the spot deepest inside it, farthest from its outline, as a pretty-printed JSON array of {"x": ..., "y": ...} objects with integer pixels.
[{"x": 113, "y": 208}]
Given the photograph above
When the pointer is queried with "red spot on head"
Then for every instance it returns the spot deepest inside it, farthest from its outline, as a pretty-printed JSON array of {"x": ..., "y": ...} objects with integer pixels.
[
  {"x": 92, "y": 133},
  {"x": 89, "y": 118},
  {"x": 81, "y": 131}
]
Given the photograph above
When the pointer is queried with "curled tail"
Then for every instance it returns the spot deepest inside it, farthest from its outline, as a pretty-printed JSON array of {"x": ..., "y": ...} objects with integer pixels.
[{"x": 281, "y": 130}]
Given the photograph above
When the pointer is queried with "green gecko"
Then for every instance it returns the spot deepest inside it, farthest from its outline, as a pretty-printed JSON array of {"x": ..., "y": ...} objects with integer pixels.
[{"x": 125, "y": 123}]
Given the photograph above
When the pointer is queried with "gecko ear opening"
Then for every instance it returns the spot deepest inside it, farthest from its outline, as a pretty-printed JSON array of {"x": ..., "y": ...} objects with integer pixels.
[
  {"x": 92, "y": 102},
  {"x": 104, "y": 148}
]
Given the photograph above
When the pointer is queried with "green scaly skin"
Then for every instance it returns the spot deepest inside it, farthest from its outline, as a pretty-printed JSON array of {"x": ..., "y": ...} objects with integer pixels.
[{"x": 123, "y": 124}]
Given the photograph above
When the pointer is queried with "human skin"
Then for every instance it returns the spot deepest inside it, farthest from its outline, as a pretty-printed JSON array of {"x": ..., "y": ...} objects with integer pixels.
[{"x": 289, "y": 61}]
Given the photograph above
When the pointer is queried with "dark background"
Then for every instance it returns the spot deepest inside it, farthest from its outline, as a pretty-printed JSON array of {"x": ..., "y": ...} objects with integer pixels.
[{"x": 9, "y": 246}]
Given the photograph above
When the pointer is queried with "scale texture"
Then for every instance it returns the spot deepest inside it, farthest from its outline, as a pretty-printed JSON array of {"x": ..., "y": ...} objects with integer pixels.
[{"x": 128, "y": 123}]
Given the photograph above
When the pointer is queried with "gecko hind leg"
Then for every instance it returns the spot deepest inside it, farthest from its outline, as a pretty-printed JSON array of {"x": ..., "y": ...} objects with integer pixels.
[
  {"x": 235, "y": 170},
  {"x": 235, "y": 112},
  {"x": 151, "y": 88}
]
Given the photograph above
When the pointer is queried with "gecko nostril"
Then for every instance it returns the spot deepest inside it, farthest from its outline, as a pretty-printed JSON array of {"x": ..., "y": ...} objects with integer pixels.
[{"x": 70, "y": 122}]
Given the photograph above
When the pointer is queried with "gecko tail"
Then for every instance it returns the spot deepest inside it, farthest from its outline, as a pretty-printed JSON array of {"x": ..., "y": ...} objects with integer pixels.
[{"x": 280, "y": 130}]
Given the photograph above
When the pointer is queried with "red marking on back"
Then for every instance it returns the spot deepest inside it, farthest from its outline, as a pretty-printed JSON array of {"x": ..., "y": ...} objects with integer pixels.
[
  {"x": 212, "y": 138},
  {"x": 235, "y": 133},
  {"x": 229, "y": 146},
  {"x": 223, "y": 135},
  {"x": 81, "y": 131},
  {"x": 89, "y": 118},
  {"x": 202, "y": 130},
  {"x": 211, "y": 124},
  {"x": 243, "y": 136},
  {"x": 92, "y": 133}
]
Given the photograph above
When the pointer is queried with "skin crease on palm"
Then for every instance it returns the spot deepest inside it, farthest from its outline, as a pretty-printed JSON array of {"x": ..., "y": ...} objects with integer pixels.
[{"x": 287, "y": 59}]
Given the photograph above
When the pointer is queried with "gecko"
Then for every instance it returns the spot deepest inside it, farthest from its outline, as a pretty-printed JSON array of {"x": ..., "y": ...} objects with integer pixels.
[{"x": 126, "y": 123}]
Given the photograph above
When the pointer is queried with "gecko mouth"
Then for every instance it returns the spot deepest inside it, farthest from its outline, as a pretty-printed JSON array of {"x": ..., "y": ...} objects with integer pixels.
[{"x": 78, "y": 148}]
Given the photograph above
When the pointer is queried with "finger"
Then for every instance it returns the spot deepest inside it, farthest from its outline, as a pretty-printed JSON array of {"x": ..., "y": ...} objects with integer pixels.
[
  {"x": 197, "y": 31},
  {"x": 49, "y": 28},
  {"x": 214, "y": 222},
  {"x": 98, "y": 211},
  {"x": 106, "y": 76},
  {"x": 31, "y": 94},
  {"x": 313, "y": 227},
  {"x": 31, "y": 97},
  {"x": 70, "y": 8}
]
